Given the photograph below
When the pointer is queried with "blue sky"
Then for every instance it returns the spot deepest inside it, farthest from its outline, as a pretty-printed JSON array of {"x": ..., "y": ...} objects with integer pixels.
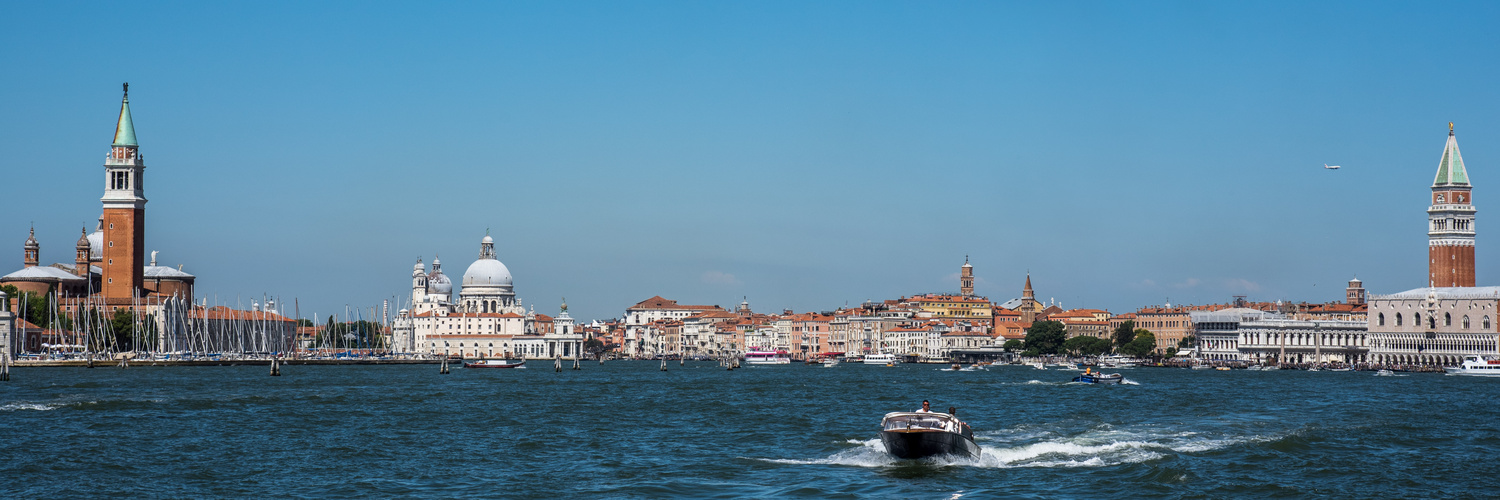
[{"x": 805, "y": 155}]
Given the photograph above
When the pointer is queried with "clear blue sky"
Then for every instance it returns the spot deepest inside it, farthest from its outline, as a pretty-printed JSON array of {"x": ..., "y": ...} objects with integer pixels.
[{"x": 803, "y": 154}]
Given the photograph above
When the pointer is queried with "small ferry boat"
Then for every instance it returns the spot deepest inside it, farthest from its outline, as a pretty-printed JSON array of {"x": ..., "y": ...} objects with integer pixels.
[
  {"x": 925, "y": 434},
  {"x": 1385, "y": 373},
  {"x": 1100, "y": 378},
  {"x": 495, "y": 363},
  {"x": 880, "y": 358},
  {"x": 767, "y": 358},
  {"x": 1474, "y": 366}
]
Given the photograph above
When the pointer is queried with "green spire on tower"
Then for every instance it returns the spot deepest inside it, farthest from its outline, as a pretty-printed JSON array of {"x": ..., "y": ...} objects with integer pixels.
[
  {"x": 125, "y": 129},
  {"x": 1451, "y": 169}
]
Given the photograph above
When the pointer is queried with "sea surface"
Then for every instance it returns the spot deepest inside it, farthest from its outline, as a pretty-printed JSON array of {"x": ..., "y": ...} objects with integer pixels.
[{"x": 627, "y": 430}]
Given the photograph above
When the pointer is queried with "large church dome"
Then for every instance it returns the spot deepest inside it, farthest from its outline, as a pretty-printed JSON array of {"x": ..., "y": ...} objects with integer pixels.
[{"x": 487, "y": 271}]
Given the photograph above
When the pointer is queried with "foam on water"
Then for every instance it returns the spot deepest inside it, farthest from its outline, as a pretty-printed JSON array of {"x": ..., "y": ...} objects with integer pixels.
[
  {"x": 31, "y": 406},
  {"x": 1101, "y": 446}
]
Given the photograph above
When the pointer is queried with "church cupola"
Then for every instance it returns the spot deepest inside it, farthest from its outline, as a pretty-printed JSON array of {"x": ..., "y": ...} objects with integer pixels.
[
  {"x": 81, "y": 259},
  {"x": 31, "y": 248}
]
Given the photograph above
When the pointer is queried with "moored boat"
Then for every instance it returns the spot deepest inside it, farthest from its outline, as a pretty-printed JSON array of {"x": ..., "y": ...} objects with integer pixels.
[
  {"x": 925, "y": 434},
  {"x": 495, "y": 363},
  {"x": 880, "y": 358},
  {"x": 1474, "y": 366}
]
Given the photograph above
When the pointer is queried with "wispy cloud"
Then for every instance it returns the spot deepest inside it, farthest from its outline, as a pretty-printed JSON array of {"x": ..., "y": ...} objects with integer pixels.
[
  {"x": 1242, "y": 285},
  {"x": 719, "y": 278},
  {"x": 1185, "y": 284}
]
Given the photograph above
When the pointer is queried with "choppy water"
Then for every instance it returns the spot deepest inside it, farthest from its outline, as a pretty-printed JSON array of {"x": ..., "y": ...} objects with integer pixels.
[{"x": 625, "y": 429}]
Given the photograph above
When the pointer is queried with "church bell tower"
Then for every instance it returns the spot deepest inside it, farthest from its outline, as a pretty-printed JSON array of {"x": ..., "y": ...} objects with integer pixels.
[
  {"x": 1450, "y": 222},
  {"x": 124, "y": 211}
]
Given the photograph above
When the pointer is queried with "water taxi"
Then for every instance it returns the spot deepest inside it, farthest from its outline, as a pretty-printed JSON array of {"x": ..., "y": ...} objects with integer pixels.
[
  {"x": 880, "y": 358},
  {"x": 1100, "y": 378},
  {"x": 925, "y": 434},
  {"x": 1474, "y": 366}
]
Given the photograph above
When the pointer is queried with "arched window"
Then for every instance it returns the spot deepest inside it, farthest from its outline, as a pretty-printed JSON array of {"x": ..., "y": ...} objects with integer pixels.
[
  {"x": 1416, "y": 319},
  {"x": 1380, "y": 320},
  {"x": 1447, "y": 319},
  {"x": 1431, "y": 321},
  {"x": 1486, "y": 322},
  {"x": 1398, "y": 319},
  {"x": 1465, "y": 324}
]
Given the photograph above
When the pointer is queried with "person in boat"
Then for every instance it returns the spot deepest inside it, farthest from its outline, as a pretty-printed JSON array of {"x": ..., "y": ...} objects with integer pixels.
[{"x": 926, "y": 407}]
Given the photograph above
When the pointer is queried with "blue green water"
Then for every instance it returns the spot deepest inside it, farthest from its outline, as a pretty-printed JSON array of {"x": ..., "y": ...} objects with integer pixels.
[{"x": 625, "y": 429}]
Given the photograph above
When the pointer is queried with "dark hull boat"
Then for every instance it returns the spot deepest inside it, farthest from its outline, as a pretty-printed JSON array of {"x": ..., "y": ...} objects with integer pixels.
[
  {"x": 926, "y": 434},
  {"x": 1100, "y": 378}
]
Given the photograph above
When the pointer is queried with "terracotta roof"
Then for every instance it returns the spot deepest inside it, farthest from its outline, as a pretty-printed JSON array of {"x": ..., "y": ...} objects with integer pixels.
[{"x": 657, "y": 302}]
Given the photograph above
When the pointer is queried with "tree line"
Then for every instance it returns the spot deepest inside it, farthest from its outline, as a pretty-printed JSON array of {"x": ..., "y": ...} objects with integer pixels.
[{"x": 1046, "y": 338}]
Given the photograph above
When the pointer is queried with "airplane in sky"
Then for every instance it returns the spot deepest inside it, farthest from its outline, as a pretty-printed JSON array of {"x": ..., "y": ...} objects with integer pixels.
[{"x": 1330, "y": 167}]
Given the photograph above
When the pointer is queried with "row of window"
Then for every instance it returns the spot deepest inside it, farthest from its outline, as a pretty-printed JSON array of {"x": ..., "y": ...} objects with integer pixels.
[{"x": 1432, "y": 320}]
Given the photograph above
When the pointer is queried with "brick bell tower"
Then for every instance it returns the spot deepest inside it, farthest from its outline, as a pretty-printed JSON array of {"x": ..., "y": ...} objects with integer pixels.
[
  {"x": 1450, "y": 222},
  {"x": 966, "y": 278},
  {"x": 124, "y": 211}
]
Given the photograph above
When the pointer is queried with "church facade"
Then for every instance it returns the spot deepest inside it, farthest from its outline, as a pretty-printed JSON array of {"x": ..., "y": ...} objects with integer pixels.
[{"x": 485, "y": 321}]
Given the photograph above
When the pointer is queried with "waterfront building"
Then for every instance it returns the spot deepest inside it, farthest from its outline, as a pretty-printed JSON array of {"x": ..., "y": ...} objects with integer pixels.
[
  {"x": 1218, "y": 332},
  {"x": 487, "y": 320},
  {"x": 1084, "y": 322},
  {"x": 1168, "y": 323},
  {"x": 1450, "y": 222},
  {"x": 950, "y": 307},
  {"x": 1303, "y": 341},
  {"x": 658, "y": 308},
  {"x": 1435, "y": 325}
]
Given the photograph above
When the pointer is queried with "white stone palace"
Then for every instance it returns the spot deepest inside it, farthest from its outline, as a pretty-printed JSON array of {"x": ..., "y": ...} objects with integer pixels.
[{"x": 487, "y": 320}]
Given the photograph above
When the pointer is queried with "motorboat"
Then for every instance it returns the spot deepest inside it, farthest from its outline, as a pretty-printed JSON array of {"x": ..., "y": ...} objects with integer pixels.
[
  {"x": 830, "y": 362},
  {"x": 1474, "y": 366},
  {"x": 767, "y": 358},
  {"x": 495, "y": 363},
  {"x": 925, "y": 434},
  {"x": 1385, "y": 373},
  {"x": 1100, "y": 378},
  {"x": 1253, "y": 368},
  {"x": 880, "y": 358}
]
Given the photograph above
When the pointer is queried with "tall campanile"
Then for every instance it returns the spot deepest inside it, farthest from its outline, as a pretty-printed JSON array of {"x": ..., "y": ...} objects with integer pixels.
[
  {"x": 124, "y": 211},
  {"x": 1450, "y": 222}
]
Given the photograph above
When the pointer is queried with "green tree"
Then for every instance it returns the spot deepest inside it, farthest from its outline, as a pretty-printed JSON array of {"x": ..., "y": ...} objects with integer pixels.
[
  {"x": 1142, "y": 345},
  {"x": 1045, "y": 337},
  {"x": 1013, "y": 345},
  {"x": 1187, "y": 341},
  {"x": 1095, "y": 346},
  {"x": 1171, "y": 352},
  {"x": 1077, "y": 345},
  {"x": 1124, "y": 333}
]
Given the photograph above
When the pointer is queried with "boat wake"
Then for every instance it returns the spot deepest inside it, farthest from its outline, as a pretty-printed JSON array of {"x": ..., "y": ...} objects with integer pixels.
[
  {"x": 31, "y": 406},
  {"x": 1102, "y": 446}
]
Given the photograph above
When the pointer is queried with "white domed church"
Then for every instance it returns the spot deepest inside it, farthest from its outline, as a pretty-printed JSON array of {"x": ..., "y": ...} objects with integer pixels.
[{"x": 487, "y": 320}]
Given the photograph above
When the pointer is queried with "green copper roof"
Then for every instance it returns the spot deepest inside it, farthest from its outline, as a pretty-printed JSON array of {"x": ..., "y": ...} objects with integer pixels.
[
  {"x": 125, "y": 130},
  {"x": 1451, "y": 169}
]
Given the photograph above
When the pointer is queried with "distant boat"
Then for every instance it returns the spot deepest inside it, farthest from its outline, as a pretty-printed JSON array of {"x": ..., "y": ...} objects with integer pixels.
[
  {"x": 767, "y": 358},
  {"x": 495, "y": 363},
  {"x": 880, "y": 358}
]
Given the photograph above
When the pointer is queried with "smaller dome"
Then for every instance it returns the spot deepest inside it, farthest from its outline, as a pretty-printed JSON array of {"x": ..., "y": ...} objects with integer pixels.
[
  {"x": 83, "y": 240},
  {"x": 419, "y": 269},
  {"x": 487, "y": 239},
  {"x": 31, "y": 243},
  {"x": 439, "y": 284}
]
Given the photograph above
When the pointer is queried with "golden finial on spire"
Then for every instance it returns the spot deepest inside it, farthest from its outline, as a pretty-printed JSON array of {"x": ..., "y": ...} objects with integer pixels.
[{"x": 1450, "y": 127}]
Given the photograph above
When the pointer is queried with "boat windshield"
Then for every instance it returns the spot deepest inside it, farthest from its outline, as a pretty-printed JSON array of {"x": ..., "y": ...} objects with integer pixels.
[{"x": 921, "y": 421}]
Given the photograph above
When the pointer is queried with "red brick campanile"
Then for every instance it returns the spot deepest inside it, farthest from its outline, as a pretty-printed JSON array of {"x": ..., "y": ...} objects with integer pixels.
[
  {"x": 1450, "y": 222},
  {"x": 124, "y": 243}
]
